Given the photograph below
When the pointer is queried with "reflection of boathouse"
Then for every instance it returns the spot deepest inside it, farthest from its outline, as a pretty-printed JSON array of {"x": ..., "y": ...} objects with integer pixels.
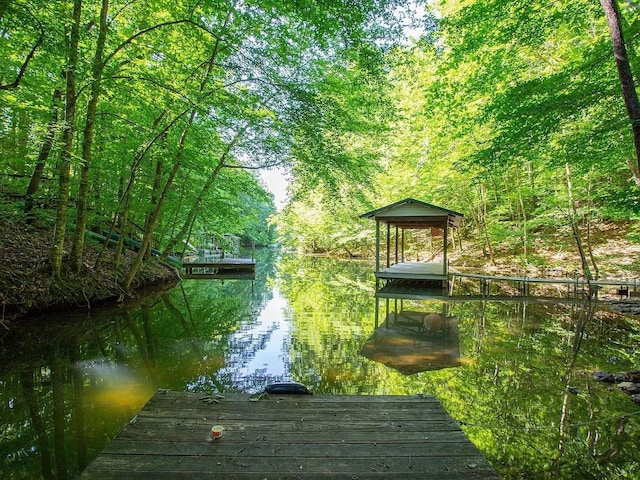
[{"x": 415, "y": 341}]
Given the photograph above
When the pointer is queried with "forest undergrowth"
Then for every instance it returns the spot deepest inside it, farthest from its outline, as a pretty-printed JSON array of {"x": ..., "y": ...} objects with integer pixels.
[
  {"x": 27, "y": 287},
  {"x": 554, "y": 254}
]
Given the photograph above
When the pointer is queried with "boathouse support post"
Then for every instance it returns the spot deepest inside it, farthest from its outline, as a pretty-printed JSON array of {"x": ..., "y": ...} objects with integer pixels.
[
  {"x": 377, "y": 310},
  {"x": 395, "y": 309},
  {"x": 396, "y": 253},
  {"x": 377, "y": 247},
  {"x": 388, "y": 245},
  {"x": 445, "y": 268},
  {"x": 377, "y": 302},
  {"x": 386, "y": 317}
]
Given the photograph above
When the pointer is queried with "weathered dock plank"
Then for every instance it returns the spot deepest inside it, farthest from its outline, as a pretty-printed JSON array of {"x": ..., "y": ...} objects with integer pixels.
[{"x": 292, "y": 436}]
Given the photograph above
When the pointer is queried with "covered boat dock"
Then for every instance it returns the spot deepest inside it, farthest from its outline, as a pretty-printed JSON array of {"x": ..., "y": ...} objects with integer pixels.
[
  {"x": 396, "y": 277},
  {"x": 410, "y": 214}
]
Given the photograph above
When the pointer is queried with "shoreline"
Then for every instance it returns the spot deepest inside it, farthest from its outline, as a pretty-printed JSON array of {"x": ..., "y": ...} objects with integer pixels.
[{"x": 27, "y": 288}]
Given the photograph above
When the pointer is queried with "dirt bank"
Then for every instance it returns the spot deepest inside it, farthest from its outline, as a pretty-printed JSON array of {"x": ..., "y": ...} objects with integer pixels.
[{"x": 26, "y": 287}]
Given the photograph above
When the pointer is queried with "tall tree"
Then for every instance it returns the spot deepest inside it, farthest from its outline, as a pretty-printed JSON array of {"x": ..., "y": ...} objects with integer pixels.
[
  {"x": 629, "y": 94},
  {"x": 206, "y": 77},
  {"x": 204, "y": 191},
  {"x": 64, "y": 166},
  {"x": 303, "y": 74},
  {"x": 43, "y": 156},
  {"x": 87, "y": 142}
]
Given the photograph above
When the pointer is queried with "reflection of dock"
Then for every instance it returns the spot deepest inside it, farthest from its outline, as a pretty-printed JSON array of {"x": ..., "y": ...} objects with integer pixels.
[
  {"x": 576, "y": 287},
  {"x": 225, "y": 269},
  {"x": 411, "y": 289},
  {"x": 292, "y": 436}
]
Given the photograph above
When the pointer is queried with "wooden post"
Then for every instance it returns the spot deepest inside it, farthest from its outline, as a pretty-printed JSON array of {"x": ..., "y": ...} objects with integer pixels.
[
  {"x": 395, "y": 309},
  {"x": 377, "y": 307},
  {"x": 396, "y": 243},
  {"x": 388, "y": 245},
  {"x": 377, "y": 304},
  {"x": 445, "y": 269},
  {"x": 402, "y": 245},
  {"x": 386, "y": 317},
  {"x": 377, "y": 249}
]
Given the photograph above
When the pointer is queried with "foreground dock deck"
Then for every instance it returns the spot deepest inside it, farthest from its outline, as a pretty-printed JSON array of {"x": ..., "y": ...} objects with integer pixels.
[{"x": 290, "y": 437}]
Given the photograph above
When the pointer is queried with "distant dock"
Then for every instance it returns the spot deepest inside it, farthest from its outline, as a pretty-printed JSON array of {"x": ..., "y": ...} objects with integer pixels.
[
  {"x": 291, "y": 437},
  {"x": 224, "y": 268}
]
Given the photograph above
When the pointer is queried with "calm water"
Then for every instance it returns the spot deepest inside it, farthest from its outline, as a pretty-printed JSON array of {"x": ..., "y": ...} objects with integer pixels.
[{"x": 70, "y": 382}]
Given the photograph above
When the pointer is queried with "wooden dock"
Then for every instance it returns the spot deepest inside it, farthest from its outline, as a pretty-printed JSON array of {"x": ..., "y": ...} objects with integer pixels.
[
  {"x": 224, "y": 268},
  {"x": 291, "y": 437},
  {"x": 413, "y": 271},
  {"x": 416, "y": 280}
]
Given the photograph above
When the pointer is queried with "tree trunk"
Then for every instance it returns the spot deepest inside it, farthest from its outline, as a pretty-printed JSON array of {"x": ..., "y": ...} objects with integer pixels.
[
  {"x": 22, "y": 142},
  {"x": 79, "y": 405},
  {"x": 45, "y": 150},
  {"x": 588, "y": 225},
  {"x": 59, "y": 415},
  {"x": 87, "y": 143},
  {"x": 64, "y": 174},
  {"x": 37, "y": 423},
  {"x": 123, "y": 219},
  {"x": 23, "y": 68},
  {"x": 186, "y": 227},
  {"x": 572, "y": 214},
  {"x": 612, "y": 12},
  {"x": 482, "y": 224},
  {"x": 126, "y": 194},
  {"x": 157, "y": 180},
  {"x": 523, "y": 213},
  {"x": 155, "y": 214}
]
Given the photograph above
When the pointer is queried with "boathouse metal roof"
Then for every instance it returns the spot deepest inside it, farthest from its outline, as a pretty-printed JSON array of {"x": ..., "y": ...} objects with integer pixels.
[{"x": 411, "y": 213}]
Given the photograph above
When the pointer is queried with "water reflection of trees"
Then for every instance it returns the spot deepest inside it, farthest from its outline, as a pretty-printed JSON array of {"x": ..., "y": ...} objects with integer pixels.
[
  {"x": 330, "y": 300},
  {"x": 528, "y": 399},
  {"x": 45, "y": 429},
  {"x": 72, "y": 380}
]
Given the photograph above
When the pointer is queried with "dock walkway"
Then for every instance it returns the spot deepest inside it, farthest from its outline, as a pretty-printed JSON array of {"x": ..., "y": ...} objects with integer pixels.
[
  {"x": 224, "y": 268},
  {"x": 290, "y": 437},
  {"x": 418, "y": 280}
]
